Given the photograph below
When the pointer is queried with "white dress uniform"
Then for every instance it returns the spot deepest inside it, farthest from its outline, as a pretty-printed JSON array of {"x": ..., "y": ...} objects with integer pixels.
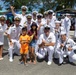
[
  {"x": 57, "y": 35},
  {"x": 67, "y": 24},
  {"x": 28, "y": 25},
  {"x": 52, "y": 24},
  {"x": 14, "y": 33},
  {"x": 75, "y": 28},
  {"x": 41, "y": 30},
  {"x": 64, "y": 51},
  {"x": 23, "y": 19},
  {"x": 2, "y": 31},
  {"x": 34, "y": 20},
  {"x": 49, "y": 49}
]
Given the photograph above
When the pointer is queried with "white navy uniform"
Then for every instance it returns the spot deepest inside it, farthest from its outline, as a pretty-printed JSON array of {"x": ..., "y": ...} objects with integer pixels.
[
  {"x": 75, "y": 28},
  {"x": 28, "y": 25},
  {"x": 67, "y": 24},
  {"x": 52, "y": 24},
  {"x": 34, "y": 20},
  {"x": 64, "y": 51},
  {"x": 49, "y": 49},
  {"x": 3, "y": 28},
  {"x": 41, "y": 30},
  {"x": 23, "y": 19},
  {"x": 14, "y": 33}
]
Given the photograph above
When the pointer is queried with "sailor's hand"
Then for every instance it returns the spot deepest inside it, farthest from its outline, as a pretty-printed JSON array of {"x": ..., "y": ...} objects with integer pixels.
[
  {"x": 12, "y": 8},
  {"x": 62, "y": 45},
  {"x": 11, "y": 43},
  {"x": 69, "y": 48}
]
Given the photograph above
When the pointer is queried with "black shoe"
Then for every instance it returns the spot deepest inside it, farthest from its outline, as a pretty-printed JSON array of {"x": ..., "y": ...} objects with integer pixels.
[
  {"x": 60, "y": 64},
  {"x": 72, "y": 63}
]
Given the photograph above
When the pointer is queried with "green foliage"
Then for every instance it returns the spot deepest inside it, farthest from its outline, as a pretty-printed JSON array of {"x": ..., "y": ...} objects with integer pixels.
[
  {"x": 47, "y": 4},
  {"x": 0, "y": 7}
]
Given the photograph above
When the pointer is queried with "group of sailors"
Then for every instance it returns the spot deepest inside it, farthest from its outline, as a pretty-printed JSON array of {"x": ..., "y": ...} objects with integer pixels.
[{"x": 50, "y": 37}]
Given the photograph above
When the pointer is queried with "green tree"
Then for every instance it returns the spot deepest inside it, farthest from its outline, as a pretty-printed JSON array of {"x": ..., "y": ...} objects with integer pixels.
[
  {"x": 47, "y": 4},
  {"x": 0, "y": 7},
  {"x": 61, "y": 4}
]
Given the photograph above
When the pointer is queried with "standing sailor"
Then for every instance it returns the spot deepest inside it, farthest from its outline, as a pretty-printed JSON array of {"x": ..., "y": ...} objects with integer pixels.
[
  {"x": 22, "y": 16},
  {"x": 3, "y": 28}
]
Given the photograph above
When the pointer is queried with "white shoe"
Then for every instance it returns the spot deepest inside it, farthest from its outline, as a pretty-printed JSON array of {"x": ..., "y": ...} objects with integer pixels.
[
  {"x": 11, "y": 60},
  {"x": 1, "y": 58},
  {"x": 49, "y": 63}
]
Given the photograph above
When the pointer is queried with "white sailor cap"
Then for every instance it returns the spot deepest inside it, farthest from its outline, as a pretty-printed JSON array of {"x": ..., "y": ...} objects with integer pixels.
[
  {"x": 24, "y": 7},
  {"x": 67, "y": 14},
  {"x": 46, "y": 13},
  {"x": 59, "y": 22},
  {"x": 17, "y": 18},
  {"x": 34, "y": 12},
  {"x": 29, "y": 16},
  {"x": 39, "y": 15},
  {"x": 50, "y": 11},
  {"x": 46, "y": 26},
  {"x": 62, "y": 33},
  {"x": 3, "y": 17}
]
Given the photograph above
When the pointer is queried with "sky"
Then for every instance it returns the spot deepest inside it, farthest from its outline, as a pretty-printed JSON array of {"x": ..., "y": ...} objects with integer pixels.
[{"x": 2, "y": 4}]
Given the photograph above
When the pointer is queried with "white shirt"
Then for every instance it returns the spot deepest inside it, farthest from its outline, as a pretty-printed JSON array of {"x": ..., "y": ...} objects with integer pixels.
[
  {"x": 67, "y": 22},
  {"x": 2, "y": 30},
  {"x": 52, "y": 24},
  {"x": 28, "y": 25},
  {"x": 69, "y": 43},
  {"x": 51, "y": 38},
  {"x": 14, "y": 32},
  {"x": 34, "y": 20},
  {"x": 41, "y": 31},
  {"x": 23, "y": 19}
]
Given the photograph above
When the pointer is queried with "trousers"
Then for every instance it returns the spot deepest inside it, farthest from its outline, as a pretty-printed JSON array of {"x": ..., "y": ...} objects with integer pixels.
[{"x": 15, "y": 48}]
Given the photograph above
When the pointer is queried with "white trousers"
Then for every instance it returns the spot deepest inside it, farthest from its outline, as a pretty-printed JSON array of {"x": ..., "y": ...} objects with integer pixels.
[
  {"x": 71, "y": 54},
  {"x": 15, "y": 48},
  {"x": 67, "y": 29},
  {"x": 55, "y": 49},
  {"x": 42, "y": 52}
]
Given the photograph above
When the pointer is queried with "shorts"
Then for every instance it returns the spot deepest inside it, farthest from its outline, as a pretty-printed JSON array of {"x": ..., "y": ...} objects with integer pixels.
[
  {"x": 23, "y": 51},
  {"x": 33, "y": 43}
]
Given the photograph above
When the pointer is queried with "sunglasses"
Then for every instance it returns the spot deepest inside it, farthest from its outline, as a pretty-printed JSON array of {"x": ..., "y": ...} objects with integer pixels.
[
  {"x": 23, "y": 10},
  {"x": 47, "y": 28}
]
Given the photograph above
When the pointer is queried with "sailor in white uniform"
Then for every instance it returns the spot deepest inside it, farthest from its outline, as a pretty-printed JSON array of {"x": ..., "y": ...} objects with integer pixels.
[
  {"x": 34, "y": 16},
  {"x": 66, "y": 46},
  {"x": 13, "y": 38},
  {"x": 46, "y": 43},
  {"x": 57, "y": 31},
  {"x": 22, "y": 16},
  {"x": 28, "y": 22},
  {"x": 51, "y": 20},
  {"x": 3, "y": 27},
  {"x": 75, "y": 29},
  {"x": 40, "y": 23},
  {"x": 67, "y": 24}
]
